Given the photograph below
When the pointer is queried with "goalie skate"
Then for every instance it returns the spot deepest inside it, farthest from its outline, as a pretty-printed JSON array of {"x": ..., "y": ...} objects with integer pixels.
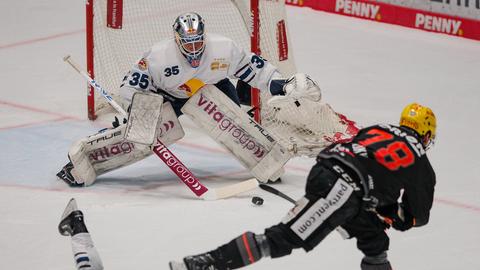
[
  {"x": 67, "y": 177},
  {"x": 71, "y": 217}
]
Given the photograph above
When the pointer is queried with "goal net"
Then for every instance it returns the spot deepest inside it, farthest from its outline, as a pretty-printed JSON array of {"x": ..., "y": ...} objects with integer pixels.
[{"x": 119, "y": 31}]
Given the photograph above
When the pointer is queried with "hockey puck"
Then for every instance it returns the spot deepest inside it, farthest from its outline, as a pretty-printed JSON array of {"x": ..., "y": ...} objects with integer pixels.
[{"x": 257, "y": 200}]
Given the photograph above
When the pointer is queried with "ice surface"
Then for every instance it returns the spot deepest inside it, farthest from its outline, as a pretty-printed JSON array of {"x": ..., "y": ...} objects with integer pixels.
[{"x": 140, "y": 217}]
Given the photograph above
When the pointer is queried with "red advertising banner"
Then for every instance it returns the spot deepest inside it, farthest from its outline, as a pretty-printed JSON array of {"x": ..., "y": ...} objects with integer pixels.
[
  {"x": 282, "y": 41},
  {"x": 387, "y": 13},
  {"x": 115, "y": 14}
]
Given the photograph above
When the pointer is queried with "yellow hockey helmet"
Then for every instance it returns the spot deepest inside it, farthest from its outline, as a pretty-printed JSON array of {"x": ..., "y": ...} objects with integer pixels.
[{"x": 422, "y": 120}]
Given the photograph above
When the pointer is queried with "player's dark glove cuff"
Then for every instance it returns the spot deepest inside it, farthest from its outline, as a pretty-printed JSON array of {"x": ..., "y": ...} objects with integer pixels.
[
  {"x": 383, "y": 266},
  {"x": 378, "y": 262}
]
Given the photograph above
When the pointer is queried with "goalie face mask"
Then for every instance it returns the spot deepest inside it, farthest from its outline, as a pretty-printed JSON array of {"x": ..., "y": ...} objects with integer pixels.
[{"x": 189, "y": 30}]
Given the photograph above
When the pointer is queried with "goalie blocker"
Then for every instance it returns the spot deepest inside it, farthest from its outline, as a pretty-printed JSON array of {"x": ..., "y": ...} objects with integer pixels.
[{"x": 230, "y": 126}]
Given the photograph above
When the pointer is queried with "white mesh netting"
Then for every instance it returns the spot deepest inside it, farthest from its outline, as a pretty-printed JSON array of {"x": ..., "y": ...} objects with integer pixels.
[{"x": 145, "y": 22}]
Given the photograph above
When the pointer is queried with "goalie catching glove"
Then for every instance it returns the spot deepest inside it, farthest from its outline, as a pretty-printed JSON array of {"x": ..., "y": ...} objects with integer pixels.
[{"x": 299, "y": 86}]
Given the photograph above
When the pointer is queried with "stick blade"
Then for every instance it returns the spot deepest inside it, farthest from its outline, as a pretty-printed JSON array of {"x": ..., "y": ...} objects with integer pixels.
[
  {"x": 277, "y": 192},
  {"x": 230, "y": 190}
]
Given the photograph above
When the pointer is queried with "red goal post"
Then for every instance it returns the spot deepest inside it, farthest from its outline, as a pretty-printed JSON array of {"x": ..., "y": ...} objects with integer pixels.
[{"x": 119, "y": 31}]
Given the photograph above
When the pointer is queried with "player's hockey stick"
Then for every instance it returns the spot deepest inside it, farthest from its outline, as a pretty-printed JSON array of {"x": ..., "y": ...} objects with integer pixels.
[
  {"x": 277, "y": 192},
  {"x": 168, "y": 157}
]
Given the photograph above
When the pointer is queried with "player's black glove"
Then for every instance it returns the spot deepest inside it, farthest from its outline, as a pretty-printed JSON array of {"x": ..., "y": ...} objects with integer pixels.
[{"x": 396, "y": 216}]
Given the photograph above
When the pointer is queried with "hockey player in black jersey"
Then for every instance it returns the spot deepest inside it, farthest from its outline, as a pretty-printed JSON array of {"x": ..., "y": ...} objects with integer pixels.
[{"x": 354, "y": 187}]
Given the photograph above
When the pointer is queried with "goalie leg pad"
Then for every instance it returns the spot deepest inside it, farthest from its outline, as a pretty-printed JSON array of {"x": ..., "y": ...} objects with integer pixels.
[
  {"x": 169, "y": 129},
  {"x": 230, "y": 126},
  {"x": 103, "y": 152},
  {"x": 109, "y": 150},
  {"x": 82, "y": 172}
]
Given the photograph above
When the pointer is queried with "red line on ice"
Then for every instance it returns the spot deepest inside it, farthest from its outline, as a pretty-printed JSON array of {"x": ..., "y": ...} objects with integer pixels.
[
  {"x": 33, "y": 109},
  {"x": 61, "y": 117},
  {"x": 34, "y": 123},
  {"x": 458, "y": 204},
  {"x": 35, "y": 40}
]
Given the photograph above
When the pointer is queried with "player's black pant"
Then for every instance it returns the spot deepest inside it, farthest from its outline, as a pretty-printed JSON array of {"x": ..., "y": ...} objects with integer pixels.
[{"x": 325, "y": 206}]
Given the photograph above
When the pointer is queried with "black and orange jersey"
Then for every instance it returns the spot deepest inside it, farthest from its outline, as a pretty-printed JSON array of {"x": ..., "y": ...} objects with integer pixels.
[{"x": 390, "y": 159}]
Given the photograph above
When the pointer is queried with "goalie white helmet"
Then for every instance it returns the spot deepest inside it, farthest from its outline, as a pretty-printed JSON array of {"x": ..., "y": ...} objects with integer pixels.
[{"x": 189, "y": 30}]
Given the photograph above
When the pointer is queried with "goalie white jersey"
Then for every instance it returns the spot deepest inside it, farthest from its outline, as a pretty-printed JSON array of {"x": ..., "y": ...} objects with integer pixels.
[{"x": 164, "y": 67}]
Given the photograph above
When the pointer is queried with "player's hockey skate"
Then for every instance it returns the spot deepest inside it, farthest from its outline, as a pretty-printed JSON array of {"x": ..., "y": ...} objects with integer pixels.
[
  {"x": 71, "y": 222},
  {"x": 66, "y": 175},
  {"x": 203, "y": 261}
]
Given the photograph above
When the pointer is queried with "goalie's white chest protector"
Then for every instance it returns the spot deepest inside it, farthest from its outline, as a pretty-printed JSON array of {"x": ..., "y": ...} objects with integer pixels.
[{"x": 165, "y": 68}]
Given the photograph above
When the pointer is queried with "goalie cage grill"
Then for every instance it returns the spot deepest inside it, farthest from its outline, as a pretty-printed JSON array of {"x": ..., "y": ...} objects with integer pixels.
[{"x": 119, "y": 31}]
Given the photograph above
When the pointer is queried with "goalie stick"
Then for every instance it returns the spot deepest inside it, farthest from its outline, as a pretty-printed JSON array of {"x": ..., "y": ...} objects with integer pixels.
[
  {"x": 95, "y": 85},
  {"x": 169, "y": 158}
]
